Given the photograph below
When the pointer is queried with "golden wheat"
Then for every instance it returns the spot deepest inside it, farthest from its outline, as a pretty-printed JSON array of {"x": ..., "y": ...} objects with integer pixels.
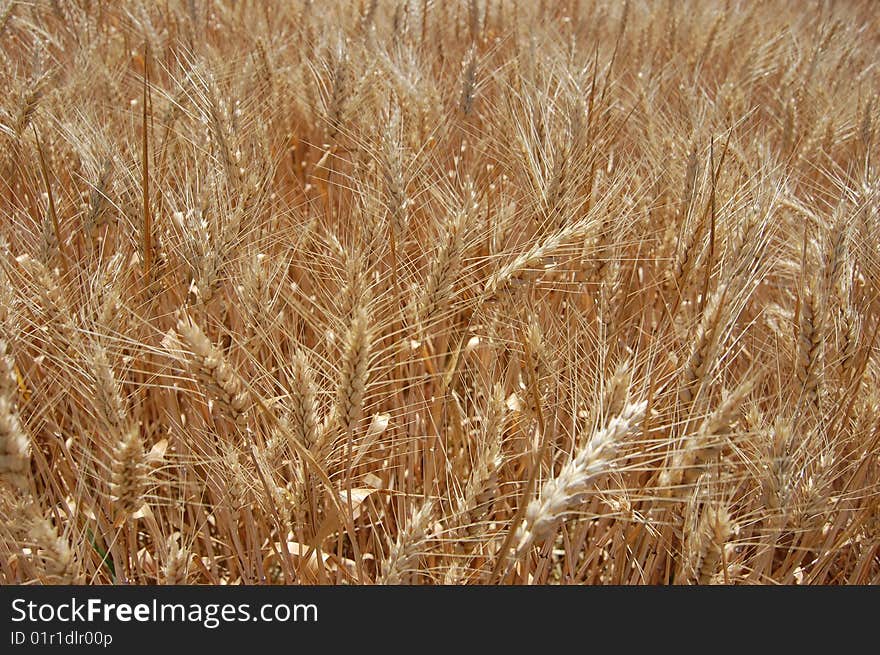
[{"x": 439, "y": 292}]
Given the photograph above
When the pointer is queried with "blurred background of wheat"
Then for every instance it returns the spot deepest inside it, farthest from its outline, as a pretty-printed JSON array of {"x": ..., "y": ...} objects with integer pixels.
[{"x": 439, "y": 292}]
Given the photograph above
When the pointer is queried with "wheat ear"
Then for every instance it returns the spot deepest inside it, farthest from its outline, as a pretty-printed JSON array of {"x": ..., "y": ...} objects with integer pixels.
[
  {"x": 128, "y": 472},
  {"x": 53, "y": 552},
  {"x": 561, "y": 493},
  {"x": 304, "y": 403},
  {"x": 14, "y": 443},
  {"x": 175, "y": 569},
  {"x": 712, "y": 534},
  {"x": 810, "y": 342},
  {"x": 214, "y": 371},
  {"x": 699, "y": 449},
  {"x": 355, "y": 368},
  {"x": 444, "y": 269},
  {"x": 705, "y": 344},
  {"x": 403, "y": 554}
]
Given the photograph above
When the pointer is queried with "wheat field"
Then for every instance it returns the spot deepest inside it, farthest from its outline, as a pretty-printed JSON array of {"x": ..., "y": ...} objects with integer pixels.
[{"x": 424, "y": 292}]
